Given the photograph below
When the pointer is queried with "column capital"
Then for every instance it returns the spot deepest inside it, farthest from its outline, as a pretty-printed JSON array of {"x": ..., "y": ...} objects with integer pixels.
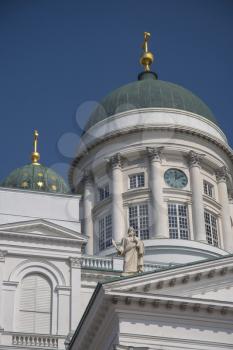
[
  {"x": 154, "y": 153},
  {"x": 3, "y": 253},
  {"x": 116, "y": 161},
  {"x": 222, "y": 174},
  {"x": 75, "y": 263},
  {"x": 194, "y": 158},
  {"x": 87, "y": 176}
]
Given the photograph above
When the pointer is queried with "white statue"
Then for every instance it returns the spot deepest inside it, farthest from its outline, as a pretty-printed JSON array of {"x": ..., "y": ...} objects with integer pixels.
[{"x": 132, "y": 249}]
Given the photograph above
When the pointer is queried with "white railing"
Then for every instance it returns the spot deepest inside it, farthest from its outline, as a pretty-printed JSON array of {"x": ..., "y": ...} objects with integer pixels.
[
  {"x": 99, "y": 263},
  {"x": 116, "y": 264},
  {"x": 156, "y": 267},
  {"x": 44, "y": 341}
]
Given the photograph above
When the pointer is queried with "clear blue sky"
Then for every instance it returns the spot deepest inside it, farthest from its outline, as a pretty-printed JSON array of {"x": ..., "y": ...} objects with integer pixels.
[{"x": 58, "y": 54}]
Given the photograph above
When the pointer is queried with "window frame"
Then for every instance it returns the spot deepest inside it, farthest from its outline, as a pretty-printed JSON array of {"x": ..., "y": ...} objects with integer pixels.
[
  {"x": 177, "y": 222},
  {"x": 35, "y": 311},
  {"x": 137, "y": 182},
  {"x": 105, "y": 241},
  {"x": 140, "y": 218},
  {"x": 106, "y": 192},
  {"x": 208, "y": 189},
  {"x": 214, "y": 238}
]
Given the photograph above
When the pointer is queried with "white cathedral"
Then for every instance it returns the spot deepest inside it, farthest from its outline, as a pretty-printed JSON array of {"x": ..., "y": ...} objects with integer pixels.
[{"x": 153, "y": 157}]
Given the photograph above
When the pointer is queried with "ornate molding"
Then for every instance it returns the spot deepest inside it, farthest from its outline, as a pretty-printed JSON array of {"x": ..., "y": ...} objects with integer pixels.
[
  {"x": 3, "y": 253},
  {"x": 222, "y": 173},
  {"x": 194, "y": 158},
  {"x": 116, "y": 161},
  {"x": 87, "y": 176},
  {"x": 178, "y": 130},
  {"x": 75, "y": 263},
  {"x": 154, "y": 153}
]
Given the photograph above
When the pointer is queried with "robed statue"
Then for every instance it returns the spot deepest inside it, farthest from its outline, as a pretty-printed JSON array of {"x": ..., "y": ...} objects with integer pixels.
[{"x": 132, "y": 249}]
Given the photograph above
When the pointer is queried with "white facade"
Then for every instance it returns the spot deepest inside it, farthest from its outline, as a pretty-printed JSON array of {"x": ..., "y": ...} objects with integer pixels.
[
  {"x": 118, "y": 149},
  {"x": 164, "y": 171}
]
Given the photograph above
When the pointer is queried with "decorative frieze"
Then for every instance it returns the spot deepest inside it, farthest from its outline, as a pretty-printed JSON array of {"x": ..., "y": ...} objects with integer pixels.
[
  {"x": 196, "y": 307},
  {"x": 194, "y": 158},
  {"x": 222, "y": 173},
  {"x": 3, "y": 253},
  {"x": 223, "y": 271},
  {"x": 128, "y": 300},
  {"x": 116, "y": 161},
  {"x": 185, "y": 279},
  {"x": 211, "y": 274},
  {"x": 87, "y": 176},
  {"x": 75, "y": 263},
  {"x": 142, "y": 302},
  {"x": 172, "y": 282},
  {"x": 154, "y": 153}
]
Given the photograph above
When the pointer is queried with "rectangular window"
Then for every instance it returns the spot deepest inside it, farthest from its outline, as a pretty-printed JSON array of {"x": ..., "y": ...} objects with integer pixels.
[
  {"x": 139, "y": 220},
  {"x": 178, "y": 221},
  {"x": 103, "y": 192},
  {"x": 208, "y": 189},
  {"x": 105, "y": 232},
  {"x": 136, "y": 180},
  {"x": 211, "y": 228}
]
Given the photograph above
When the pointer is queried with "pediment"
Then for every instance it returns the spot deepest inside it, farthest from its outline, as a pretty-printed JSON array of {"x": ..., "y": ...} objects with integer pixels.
[
  {"x": 41, "y": 228},
  {"x": 206, "y": 280}
]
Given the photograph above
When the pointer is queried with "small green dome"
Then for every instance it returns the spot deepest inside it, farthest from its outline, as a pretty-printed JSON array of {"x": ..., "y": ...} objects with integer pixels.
[
  {"x": 148, "y": 93},
  {"x": 36, "y": 177}
]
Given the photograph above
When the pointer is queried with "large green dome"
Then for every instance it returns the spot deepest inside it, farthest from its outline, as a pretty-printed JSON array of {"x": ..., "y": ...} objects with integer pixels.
[
  {"x": 36, "y": 177},
  {"x": 148, "y": 93}
]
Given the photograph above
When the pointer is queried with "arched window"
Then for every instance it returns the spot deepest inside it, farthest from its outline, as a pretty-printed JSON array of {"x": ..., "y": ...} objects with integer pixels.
[{"x": 35, "y": 305}]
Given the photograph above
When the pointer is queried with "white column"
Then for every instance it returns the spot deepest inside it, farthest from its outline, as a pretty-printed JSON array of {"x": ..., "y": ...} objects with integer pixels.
[
  {"x": 221, "y": 175},
  {"x": 197, "y": 196},
  {"x": 118, "y": 227},
  {"x": 2, "y": 263},
  {"x": 159, "y": 207},
  {"x": 88, "y": 203},
  {"x": 63, "y": 312},
  {"x": 75, "y": 300},
  {"x": 8, "y": 296}
]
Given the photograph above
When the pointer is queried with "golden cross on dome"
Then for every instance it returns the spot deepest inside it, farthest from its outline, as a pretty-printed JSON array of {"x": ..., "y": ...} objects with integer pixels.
[
  {"x": 147, "y": 57},
  {"x": 145, "y": 43},
  {"x": 35, "y": 154}
]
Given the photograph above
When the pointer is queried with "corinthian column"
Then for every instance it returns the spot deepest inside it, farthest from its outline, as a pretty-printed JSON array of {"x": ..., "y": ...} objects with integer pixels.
[
  {"x": 117, "y": 202},
  {"x": 197, "y": 196},
  {"x": 88, "y": 203},
  {"x": 221, "y": 176},
  {"x": 159, "y": 210}
]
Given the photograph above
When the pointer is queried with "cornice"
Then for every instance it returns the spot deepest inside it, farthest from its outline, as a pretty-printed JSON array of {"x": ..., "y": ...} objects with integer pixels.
[
  {"x": 137, "y": 129},
  {"x": 182, "y": 274},
  {"x": 170, "y": 302},
  {"x": 30, "y": 237}
]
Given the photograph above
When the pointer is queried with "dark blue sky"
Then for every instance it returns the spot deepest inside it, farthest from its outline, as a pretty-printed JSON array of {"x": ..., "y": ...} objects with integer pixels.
[{"x": 56, "y": 55}]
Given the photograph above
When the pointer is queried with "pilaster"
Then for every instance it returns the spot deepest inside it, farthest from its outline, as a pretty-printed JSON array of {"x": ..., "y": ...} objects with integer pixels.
[
  {"x": 158, "y": 207},
  {"x": 118, "y": 227},
  {"x": 88, "y": 203},
  {"x": 75, "y": 300},
  {"x": 194, "y": 160},
  {"x": 221, "y": 176}
]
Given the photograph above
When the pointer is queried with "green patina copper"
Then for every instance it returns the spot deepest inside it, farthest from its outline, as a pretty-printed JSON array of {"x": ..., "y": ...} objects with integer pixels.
[
  {"x": 149, "y": 93},
  {"x": 36, "y": 177}
]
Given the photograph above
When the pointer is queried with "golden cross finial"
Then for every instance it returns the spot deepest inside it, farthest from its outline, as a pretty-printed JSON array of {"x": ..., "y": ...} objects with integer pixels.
[
  {"x": 35, "y": 154},
  {"x": 145, "y": 43},
  {"x": 147, "y": 57}
]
